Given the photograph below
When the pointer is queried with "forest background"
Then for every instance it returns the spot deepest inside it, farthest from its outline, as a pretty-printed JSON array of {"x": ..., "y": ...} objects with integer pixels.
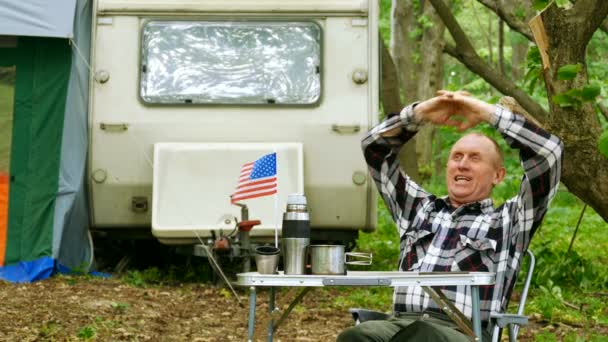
[{"x": 487, "y": 48}]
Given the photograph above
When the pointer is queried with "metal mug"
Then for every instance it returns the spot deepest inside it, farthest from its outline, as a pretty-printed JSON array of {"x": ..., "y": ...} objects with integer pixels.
[
  {"x": 331, "y": 259},
  {"x": 267, "y": 259}
]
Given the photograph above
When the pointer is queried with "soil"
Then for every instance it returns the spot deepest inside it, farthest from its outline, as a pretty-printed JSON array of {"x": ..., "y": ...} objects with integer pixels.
[
  {"x": 74, "y": 308},
  {"x": 180, "y": 301}
]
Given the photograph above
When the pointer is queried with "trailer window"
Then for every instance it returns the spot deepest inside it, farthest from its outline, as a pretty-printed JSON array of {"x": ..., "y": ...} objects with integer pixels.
[{"x": 213, "y": 62}]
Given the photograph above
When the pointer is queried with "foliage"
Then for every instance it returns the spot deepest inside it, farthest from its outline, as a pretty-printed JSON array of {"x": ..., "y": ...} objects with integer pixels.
[
  {"x": 48, "y": 329},
  {"x": 120, "y": 307},
  {"x": 534, "y": 66},
  {"x": 539, "y": 5},
  {"x": 603, "y": 145},
  {"x": 568, "y": 72},
  {"x": 571, "y": 269},
  {"x": 87, "y": 332},
  {"x": 575, "y": 96},
  {"x": 550, "y": 299},
  {"x": 371, "y": 298},
  {"x": 384, "y": 22},
  {"x": 383, "y": 243},
  {"x": 198, "y": 271}
]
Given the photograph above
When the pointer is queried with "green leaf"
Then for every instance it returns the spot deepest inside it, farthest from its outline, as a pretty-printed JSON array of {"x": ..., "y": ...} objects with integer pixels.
[
  {"x": 532, "y": 86},
  {"x": 565, "y": 100},
  {"x": 563, "y": 4},
  {"x": 534, "y": 56},
  {"x": 590, "y": 92},
  {"x": 574, "y": 93},
  {"x": 603, "y": 145},
  {"x": 568, "y": 71},
  {"x": 539, "y": 5}
]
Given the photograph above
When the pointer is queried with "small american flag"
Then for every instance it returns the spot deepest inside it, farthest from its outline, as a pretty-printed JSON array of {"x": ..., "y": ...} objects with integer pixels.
[{"x": 257, "y": 179}]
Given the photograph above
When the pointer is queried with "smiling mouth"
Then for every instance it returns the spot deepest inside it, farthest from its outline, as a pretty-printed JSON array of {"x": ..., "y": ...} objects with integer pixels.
[{"x": 462, "y": 179}]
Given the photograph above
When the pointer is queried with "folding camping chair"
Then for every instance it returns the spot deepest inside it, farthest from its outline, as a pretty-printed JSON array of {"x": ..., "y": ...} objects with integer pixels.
[{"x": 500, "y": 320}]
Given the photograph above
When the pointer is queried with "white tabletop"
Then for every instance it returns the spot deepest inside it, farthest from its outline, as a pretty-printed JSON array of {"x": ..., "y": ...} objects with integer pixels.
[{"x": 363, "y": 278}]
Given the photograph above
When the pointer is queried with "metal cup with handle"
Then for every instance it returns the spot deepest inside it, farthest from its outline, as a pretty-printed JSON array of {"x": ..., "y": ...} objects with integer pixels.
[{"x": 331, "y": 259}]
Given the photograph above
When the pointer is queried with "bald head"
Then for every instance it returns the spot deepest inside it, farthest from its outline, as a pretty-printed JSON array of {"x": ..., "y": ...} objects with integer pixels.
[
  {"x": 475, "y": 166},
  {"x": 497, "y": 151}
]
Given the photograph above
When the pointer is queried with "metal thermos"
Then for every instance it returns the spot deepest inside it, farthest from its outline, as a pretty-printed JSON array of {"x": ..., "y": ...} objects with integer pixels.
[{"x": 296, "y": 234}]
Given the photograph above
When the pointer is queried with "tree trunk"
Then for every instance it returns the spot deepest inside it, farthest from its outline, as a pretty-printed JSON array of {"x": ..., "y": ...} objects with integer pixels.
[
  {"x": 404, "y": 49},
  {"x": 519, "y": 43},
  {"x": 390, "y": 90},
  {"x": 519, "y": 52},
  {"x": 585, "y": 170},
  {"x": 391, "y": 103},
  {"x": 501, "y": 46},
  {"x": 490, "y": 43},
  {"x": 429, "y": 81}
]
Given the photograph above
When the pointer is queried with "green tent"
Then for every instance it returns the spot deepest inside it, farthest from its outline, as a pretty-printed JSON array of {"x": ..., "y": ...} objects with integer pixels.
[{"x": 43, "y": 137}]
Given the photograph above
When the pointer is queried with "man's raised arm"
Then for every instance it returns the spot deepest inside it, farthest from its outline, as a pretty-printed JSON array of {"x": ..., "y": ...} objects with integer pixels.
[
  {"x": 541, "y": 156},
  {"x": 381, "y": 149}
]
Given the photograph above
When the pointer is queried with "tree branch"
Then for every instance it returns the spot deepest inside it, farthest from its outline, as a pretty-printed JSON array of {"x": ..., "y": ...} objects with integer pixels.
[
  {"x": 509, "y": 18},
  {"x": 604, "y": 25},
  {"x": 465, "y": 53},
  {"x": 594, "y": 11},
  {"x": 391, "y": 102},
  {"x": 603, "y": 110}
]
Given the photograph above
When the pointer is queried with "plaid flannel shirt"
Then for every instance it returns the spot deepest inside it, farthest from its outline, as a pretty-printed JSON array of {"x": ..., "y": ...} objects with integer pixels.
[{"x": 475, "y": 236}]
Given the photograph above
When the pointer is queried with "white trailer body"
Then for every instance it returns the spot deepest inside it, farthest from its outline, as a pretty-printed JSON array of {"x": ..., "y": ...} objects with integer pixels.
[{"x": 175, "y": 110}]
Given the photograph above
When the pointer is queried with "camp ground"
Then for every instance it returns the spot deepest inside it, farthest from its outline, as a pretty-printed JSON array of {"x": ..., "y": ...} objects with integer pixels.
[{"x": 134, "y": 118}]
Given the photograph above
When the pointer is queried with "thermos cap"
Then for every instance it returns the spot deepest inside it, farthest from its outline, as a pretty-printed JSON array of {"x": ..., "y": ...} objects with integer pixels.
[{"x": 296, "y": 198}]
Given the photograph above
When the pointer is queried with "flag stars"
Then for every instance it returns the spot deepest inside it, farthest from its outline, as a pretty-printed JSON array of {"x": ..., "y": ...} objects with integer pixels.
[{"x": 264, "y": 167}]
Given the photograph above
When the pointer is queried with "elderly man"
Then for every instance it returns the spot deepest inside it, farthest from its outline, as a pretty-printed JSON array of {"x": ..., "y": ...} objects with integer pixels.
[{"x": 462, "y": 231}]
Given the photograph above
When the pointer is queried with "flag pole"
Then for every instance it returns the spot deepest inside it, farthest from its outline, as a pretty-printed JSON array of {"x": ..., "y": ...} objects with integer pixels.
[{"x": 276, "y": 201}]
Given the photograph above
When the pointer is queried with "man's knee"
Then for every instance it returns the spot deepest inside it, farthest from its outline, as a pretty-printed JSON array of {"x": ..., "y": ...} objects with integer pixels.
[
  {"x": 421, "y": 331},
  {"x": 371, "y": 331},
  {"x": 352, "y": 334}
]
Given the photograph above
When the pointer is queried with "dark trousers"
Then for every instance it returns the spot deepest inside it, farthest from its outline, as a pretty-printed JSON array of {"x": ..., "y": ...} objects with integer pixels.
[{"x": 407, "y": 327}]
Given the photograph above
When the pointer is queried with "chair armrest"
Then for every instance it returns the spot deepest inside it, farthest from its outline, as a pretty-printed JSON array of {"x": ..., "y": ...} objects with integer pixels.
[
  {"x": 502, "y": 320},
  {"x": 362, "y": 315}
]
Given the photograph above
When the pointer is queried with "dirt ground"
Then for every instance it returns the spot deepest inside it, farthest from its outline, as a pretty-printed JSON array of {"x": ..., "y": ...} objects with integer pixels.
[
  {"x": 83, "y": 308},
  {"x": 77, "y": 308}
]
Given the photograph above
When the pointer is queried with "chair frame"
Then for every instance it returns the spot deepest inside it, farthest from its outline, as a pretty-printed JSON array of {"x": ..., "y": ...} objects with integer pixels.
[{"x": 500, "y": 320}]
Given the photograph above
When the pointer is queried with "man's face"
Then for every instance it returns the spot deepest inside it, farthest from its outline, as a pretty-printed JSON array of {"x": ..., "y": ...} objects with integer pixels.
[{"x": 473, "y": 169}]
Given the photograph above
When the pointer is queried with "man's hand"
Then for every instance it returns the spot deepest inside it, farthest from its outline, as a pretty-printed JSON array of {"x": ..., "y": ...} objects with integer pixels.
[
  {"x": 473, "y": 110},
  {"x": 448, "y": 106},
  {"x": 438, "y": 110}
]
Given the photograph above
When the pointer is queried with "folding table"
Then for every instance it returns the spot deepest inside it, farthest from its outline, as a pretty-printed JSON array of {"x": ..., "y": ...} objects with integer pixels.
[{"x": 361, "y": 278}]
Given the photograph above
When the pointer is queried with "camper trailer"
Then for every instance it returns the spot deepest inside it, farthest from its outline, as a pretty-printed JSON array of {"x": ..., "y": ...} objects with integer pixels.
[{"x": 183, "y": 93}]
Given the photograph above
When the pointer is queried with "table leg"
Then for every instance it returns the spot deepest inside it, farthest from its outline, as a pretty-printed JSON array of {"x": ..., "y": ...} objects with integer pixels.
[
  {"x": 270, "y": 312},
  {"x": 292, "y": 305},
  {"x": 251, "y": 323},
  {"x": 476, "y": 312}
]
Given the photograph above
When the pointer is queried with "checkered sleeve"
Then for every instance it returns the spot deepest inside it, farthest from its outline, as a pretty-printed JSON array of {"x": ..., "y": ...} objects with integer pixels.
[
  {"x": 541, "y": 158},
  {"x": 381, "y": 151}
]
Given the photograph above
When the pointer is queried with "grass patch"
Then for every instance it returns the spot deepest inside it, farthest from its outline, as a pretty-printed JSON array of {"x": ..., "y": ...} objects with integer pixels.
[
  {"x": 88, "y": 332},
  {"x": 195, "y": 272}
]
